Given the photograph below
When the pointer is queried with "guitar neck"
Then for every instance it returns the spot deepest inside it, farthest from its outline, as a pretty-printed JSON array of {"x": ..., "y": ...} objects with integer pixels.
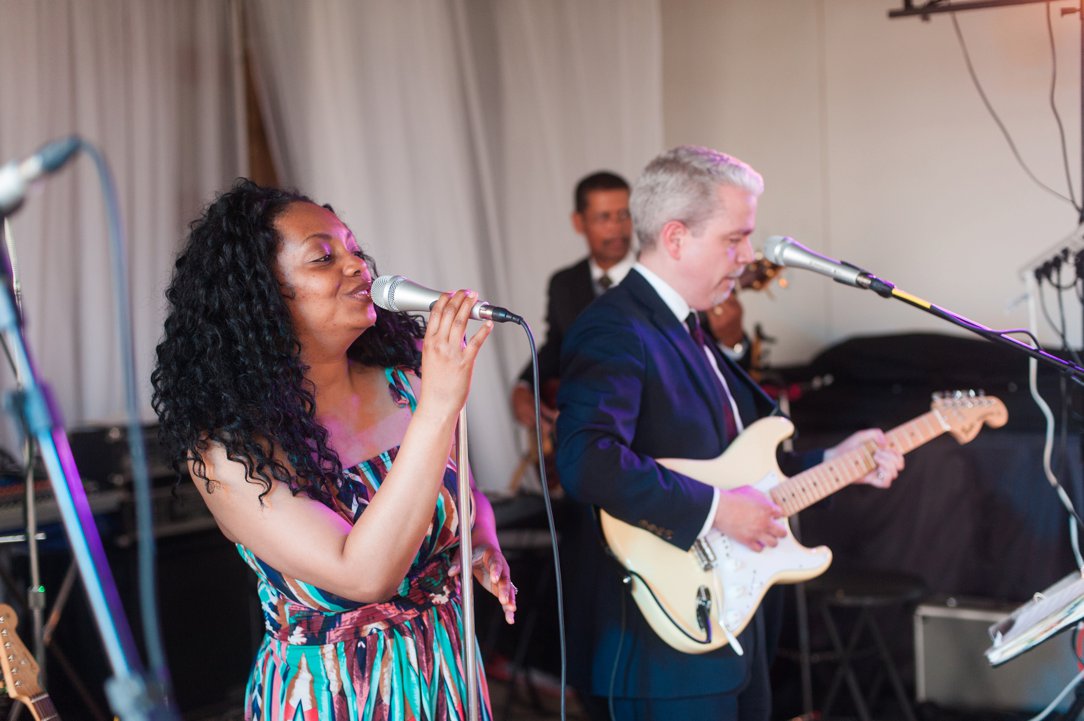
[
  {"x": 819, "y": 482},
  {"x": 42, "y": 708}
]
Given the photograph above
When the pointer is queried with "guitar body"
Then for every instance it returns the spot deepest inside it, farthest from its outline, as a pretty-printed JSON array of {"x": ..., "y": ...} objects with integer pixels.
[{"x": 739, "y": 577}]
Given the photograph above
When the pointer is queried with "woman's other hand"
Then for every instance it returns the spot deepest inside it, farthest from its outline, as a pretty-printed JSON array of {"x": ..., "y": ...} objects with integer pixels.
[{"x": 491, "y": 570}]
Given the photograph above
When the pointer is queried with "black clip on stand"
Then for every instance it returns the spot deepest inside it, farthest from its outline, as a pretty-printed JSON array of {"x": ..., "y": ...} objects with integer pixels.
[{"x": 132, "y": 694}]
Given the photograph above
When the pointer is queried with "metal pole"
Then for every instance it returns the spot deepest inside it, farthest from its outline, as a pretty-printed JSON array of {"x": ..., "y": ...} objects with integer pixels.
[
  {"x": 465, "y": 509},
  {"x": 932, "y": 8},
  {"x": 1080, "y": 17},
  {"x": 35, "y": 594}
]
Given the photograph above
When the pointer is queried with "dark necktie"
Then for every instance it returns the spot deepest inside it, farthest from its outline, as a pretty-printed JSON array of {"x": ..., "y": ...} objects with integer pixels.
[
  {"x": 605, "y": 282},
  {"x": 697, "y": 332}
]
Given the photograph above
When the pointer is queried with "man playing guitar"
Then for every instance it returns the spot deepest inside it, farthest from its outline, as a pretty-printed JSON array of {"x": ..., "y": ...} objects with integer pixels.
[{"x": 639, "y": 384}]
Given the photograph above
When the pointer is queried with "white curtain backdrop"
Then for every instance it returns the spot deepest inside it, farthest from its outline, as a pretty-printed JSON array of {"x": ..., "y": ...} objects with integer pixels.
[
  {"x": 153, "y": 83},
  {"x": 449, "y": 136}
]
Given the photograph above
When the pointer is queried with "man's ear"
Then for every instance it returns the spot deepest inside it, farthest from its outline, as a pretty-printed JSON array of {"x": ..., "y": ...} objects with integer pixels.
[
  {"x": 578, "y": 222},
  {"x": 672, "y": 238}
]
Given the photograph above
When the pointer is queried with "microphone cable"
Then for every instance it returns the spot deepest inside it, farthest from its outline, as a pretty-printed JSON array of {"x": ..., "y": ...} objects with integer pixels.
[
  {"x": 136, "y": 445},
  {"x": 549, "y": 511}
]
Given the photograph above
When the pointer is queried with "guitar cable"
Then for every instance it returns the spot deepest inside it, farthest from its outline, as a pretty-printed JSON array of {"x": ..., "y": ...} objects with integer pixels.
[
  {"x": 702, "y": 613},
  {"x": 625, "y": 580}
]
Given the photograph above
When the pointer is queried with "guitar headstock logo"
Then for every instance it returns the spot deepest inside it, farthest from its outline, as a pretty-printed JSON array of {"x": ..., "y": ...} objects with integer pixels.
[{"x": 963, "y": 413}]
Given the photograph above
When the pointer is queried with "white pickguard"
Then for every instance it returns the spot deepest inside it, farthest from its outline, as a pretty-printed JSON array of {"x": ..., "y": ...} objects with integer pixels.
[{"x": 743, "y": 575}]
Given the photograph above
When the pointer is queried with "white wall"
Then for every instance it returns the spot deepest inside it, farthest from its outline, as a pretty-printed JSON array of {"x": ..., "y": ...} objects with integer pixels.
[{"x": 876, "y": 148}]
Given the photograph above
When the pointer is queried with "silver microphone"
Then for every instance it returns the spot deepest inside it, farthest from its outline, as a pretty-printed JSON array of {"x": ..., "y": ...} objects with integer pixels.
[
  {"x": 17, "y": 176},
  {"x": 398, "y": 294},
  {"x": 788, "y": 252}
]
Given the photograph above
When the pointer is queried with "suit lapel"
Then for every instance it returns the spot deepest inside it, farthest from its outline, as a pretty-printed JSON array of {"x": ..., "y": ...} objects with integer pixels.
[
  {"x": 584, "y": 289},
  {"x": 676, "y": 334}
]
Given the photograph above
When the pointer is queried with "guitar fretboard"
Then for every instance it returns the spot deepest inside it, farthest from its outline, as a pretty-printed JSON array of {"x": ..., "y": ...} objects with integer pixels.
[
  {"x": 808, "y": 487},
  {"x": 43, "y": 708}
]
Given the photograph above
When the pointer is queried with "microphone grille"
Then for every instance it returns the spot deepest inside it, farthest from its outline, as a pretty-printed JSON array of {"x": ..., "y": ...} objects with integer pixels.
[
  {"x": 773, "y": 248},
  {"x": 383, "y": 291}
]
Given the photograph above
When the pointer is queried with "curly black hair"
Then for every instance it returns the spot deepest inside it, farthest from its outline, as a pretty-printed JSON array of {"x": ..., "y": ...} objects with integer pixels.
[{"x": 229, "y": 366}]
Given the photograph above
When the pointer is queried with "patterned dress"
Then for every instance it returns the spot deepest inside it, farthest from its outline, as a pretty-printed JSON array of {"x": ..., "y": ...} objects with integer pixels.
[{"x": 325, "y": 657}]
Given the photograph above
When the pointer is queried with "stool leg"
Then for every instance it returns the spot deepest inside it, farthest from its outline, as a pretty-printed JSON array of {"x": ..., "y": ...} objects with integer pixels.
[
  {"x": 844, "y": 672},
  {"x": 893, "y": 676}
]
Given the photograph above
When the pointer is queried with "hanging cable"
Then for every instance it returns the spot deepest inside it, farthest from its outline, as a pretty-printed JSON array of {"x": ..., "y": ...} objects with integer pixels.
[
  {"x": 997, "y": 118},
  {"x": 1048, "y": 445},
  {"x": 1054, "y": 108}
]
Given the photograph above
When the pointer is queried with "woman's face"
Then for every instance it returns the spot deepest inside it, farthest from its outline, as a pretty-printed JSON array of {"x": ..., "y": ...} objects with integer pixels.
[{"x": 324, "y": 279}]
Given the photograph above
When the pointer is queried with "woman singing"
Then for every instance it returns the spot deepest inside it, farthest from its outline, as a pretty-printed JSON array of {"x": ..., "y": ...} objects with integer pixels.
[{"x": 318, "y": 430}]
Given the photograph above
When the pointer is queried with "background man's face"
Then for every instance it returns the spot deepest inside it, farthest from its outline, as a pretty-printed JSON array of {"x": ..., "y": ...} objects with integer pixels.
[{"x": 606, "y": 225}]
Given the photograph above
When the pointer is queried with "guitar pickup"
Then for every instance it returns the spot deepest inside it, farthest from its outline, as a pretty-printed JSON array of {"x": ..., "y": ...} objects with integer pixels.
[{"x": 705, "y": 556}]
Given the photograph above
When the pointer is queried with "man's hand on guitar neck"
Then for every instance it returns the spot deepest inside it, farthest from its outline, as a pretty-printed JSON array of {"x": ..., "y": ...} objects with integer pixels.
[
  {"x": 749, "y": 517},
  {"x": 873, "y": 443}
]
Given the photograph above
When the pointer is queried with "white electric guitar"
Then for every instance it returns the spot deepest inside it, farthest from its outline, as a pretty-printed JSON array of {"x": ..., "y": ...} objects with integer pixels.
[{"x": 701, "y": 599}]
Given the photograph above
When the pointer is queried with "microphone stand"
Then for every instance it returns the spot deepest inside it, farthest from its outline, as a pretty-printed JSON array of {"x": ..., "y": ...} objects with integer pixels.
[
  {"x": 465, "y": 502},
  {"x": 868, "y": 281},
  {"x": 131, "y": 694},
  {"x": 35, "y": 591}
]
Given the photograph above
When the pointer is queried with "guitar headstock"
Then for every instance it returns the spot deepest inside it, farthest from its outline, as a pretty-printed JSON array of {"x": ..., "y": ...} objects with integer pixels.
[
  {"x": 965, "y": 412},
  {"x": 19, "y": 667},
  {"x": 758, "y": 274}
]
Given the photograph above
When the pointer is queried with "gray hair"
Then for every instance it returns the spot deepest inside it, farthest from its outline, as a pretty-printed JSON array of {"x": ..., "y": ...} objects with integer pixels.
[{"x": 681, "y": 185}]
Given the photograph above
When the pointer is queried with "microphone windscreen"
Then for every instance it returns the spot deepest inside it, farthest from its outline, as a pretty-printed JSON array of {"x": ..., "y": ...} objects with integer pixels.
[
  {"x": 383, "y": 291},
  {"x": 399, "y": 294},
  {"x": 773, "y": 248}
]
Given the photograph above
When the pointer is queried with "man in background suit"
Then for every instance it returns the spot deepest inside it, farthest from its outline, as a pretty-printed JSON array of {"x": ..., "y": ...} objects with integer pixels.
[
  {"x": 636, "y": 385},
  {"x": 601, "y": 216}
]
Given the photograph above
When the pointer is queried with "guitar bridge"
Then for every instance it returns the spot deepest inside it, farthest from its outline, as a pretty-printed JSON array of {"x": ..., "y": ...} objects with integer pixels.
[{"x": 705, "y": 554}]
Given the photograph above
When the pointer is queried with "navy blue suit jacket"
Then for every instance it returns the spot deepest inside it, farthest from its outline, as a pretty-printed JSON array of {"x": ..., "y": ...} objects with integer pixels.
[{"x": 635, "y": 387}]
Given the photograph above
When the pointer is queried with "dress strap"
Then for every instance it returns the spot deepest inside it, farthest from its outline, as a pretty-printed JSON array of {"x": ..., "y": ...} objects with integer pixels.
[{"x": 401, "y": 390}]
